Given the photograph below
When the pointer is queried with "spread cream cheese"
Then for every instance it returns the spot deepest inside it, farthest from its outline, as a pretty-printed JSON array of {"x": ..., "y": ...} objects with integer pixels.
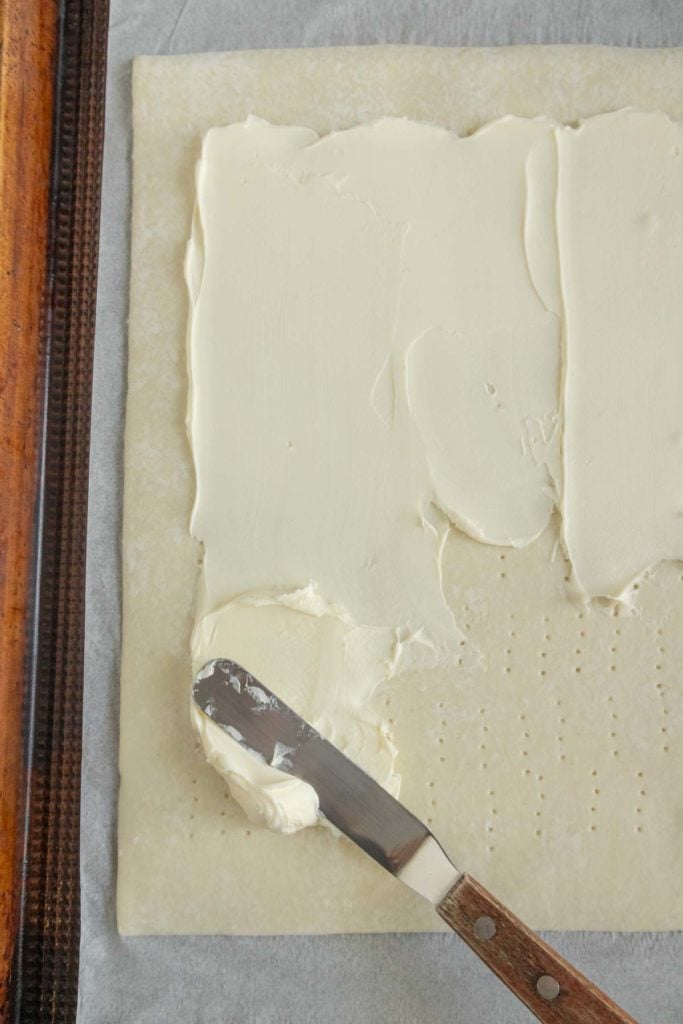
[
  {"x": 387, "y": 326},
  {"x": 267, "y": 795},
  {"x": 620, "y": 225},
  {"x": 327, "y": 666}
]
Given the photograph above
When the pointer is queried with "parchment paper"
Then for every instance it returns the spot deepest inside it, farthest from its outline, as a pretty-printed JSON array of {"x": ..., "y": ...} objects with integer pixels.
[{"x": 348, "y": 978}]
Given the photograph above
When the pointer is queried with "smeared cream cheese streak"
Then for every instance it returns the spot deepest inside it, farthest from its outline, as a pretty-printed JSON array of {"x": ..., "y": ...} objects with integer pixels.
[{"x": 620, "y": 225}]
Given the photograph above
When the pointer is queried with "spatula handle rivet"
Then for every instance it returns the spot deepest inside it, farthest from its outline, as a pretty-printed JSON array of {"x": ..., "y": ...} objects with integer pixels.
[
  {"x": 484, "y": 928},
  {"x": 548, "y": 987}
]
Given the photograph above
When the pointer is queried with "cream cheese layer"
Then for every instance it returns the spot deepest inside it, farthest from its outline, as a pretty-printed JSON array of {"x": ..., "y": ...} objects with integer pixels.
[
  {"x": 387, "y": 326},
  {"x": 620, "y": 226}
]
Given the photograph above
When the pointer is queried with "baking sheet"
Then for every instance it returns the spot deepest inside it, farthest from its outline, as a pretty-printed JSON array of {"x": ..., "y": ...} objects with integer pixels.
[{"x": 366, "y": 977}]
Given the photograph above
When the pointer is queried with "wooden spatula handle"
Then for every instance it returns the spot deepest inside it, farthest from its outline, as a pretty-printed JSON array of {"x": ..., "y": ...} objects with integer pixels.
[{"x": 551, "y": 988}]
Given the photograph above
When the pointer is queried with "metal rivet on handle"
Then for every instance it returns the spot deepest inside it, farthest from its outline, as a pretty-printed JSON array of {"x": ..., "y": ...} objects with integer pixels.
[
  {"x": 484, "y": 928},
  {"x": 548, "y": 987}
]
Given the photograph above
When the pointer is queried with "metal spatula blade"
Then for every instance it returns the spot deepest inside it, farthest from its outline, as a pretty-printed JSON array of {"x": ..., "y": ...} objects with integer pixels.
[
  {"x": 352, "y": 801},
  {"x": 251, "y": 714}
]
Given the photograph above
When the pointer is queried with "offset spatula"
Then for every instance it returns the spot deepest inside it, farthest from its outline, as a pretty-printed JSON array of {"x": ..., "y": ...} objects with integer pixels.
[{"x": 550, "y": 987}]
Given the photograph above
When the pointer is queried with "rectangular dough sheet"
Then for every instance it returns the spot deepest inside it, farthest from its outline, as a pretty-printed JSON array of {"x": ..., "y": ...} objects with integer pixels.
[{"x": 551, "y": 775}]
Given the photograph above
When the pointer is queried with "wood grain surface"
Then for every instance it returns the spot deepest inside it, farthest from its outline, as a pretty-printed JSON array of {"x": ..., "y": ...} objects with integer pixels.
[
  {"x": 551, "y": 988},
  {"x": 28, "y": 40}
]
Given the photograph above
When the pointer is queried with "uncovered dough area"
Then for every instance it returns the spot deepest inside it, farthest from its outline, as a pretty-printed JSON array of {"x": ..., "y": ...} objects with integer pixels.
[{"x": 546, "y": 768}]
